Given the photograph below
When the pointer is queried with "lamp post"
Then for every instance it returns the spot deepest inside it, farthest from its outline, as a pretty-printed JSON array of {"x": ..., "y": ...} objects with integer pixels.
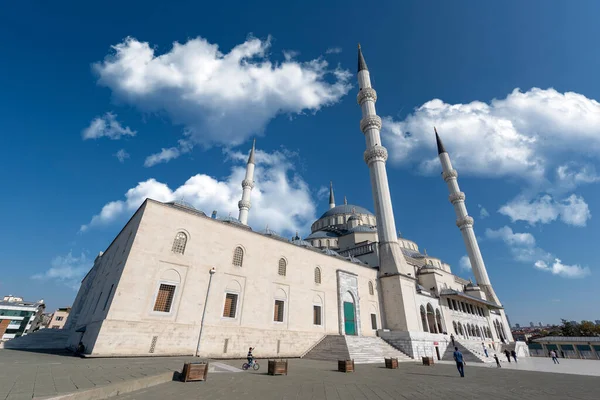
[{"x": 211, "y": 272}]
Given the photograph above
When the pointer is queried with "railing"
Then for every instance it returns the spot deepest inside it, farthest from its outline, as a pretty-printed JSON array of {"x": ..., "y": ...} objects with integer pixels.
[{"x": 358, "y": 250}]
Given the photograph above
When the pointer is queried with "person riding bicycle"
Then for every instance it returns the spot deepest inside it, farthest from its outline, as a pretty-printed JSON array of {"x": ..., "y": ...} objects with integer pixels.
[{"x": 250, "y": 356}]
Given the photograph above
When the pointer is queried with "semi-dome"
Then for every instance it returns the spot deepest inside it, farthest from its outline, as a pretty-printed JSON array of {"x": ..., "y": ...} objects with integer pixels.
[
  {"x": 346, "y": 209},
  {"x": 302, "y": 243},
  {"x": 322, "y": 235},
  {"x": 330, "y": 252}
]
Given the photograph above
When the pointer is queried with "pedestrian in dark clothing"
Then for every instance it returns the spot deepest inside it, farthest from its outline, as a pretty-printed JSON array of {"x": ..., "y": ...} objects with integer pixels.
[
  {"x": 460, "y": 363},
  {"x": 452, "y": 338},
  {"x": 497, "y": 361},
  {"x": 514, "y": 355},
  {"x": 507, "y": 354}
]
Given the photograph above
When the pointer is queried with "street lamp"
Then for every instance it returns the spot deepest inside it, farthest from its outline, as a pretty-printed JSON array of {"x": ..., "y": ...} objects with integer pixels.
[{"x": 211, "y": 272}]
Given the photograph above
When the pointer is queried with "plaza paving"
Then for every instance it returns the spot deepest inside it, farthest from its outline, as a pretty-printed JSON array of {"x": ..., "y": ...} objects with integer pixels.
[{"x": 26, "y": 375}]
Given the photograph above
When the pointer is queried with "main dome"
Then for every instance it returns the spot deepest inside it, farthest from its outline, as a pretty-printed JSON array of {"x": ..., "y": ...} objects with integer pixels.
[{"x": 346, "y": 209}]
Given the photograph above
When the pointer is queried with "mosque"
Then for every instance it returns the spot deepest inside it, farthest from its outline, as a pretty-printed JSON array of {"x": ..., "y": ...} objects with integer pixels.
[{"x": 176, "y": 281}]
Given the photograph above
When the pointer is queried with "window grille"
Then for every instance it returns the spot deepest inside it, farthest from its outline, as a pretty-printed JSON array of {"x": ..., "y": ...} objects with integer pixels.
[
  {"x": 282, "y": 267},
  {"x": 179, "y": 243},
  {"x": 230, "y": 308},
  {"x": 371, "y": 290},
  {"x": 238, "y": 257},
  {"x": 317, "y": 315},
  {"x": 164, "y": 299},
  {"x": 278, "y": 315},
  {"x": 317, "y": 275}
]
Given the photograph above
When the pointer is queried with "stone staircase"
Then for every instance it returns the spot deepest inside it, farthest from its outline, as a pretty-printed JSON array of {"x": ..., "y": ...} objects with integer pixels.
[
  {"x": 362, "y": 349},
  {"x": 42, "y": 339},
  {"x": 471, "y": 351},
  {"x": 372, "y": 349}
]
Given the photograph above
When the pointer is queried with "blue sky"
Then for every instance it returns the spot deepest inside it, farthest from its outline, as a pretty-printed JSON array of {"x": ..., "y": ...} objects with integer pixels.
[{"x": 98, "y": 109}]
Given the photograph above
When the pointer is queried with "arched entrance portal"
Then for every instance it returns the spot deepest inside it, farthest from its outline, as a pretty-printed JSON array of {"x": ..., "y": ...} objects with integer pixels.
[{"x": 349, "y": 314}]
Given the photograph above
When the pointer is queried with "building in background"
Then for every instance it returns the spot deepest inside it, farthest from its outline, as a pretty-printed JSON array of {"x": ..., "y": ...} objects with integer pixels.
[
  {"x": 18, "y": 317},
  {"x": 531, "y": 325},
  {"x": 59, "y": 318},
  {"x": 578, "y": 347}
]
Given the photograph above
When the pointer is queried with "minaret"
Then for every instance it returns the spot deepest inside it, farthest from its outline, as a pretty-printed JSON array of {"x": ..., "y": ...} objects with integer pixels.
[
  {"x": 247, "y": 185},
  {"x": 465, "y": 222},
  {"x": 331, "y": 198},
  {"x": 391, "y": 259}
]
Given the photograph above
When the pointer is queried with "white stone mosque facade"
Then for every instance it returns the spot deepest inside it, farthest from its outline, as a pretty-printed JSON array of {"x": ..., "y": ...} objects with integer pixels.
[{"x": 175, "y": 281}]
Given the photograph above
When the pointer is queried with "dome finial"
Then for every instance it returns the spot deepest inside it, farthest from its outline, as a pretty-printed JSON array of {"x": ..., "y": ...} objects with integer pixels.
[
  {"x": 345, "y": 200},
  {"x": 331, "y": 197}
]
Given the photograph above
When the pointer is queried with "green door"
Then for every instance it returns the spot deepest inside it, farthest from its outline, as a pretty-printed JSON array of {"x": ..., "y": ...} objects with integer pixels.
[{"x": 349, "y": 319}]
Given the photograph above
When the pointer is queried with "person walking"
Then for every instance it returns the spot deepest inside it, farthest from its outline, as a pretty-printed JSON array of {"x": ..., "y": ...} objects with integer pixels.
[
  {"x": 497, "y": 361},
  {"x": 507, "y": 354},
  {"x": 452, "y": 338},
  {"x": 514, "y": 355},
  {"x": 485, "y": 349},
  {"x": 460, "y": 363},
  {"x": 554, "y": 357}
]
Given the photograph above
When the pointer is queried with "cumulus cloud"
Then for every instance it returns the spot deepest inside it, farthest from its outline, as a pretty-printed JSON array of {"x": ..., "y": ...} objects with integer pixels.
[
  {"x": 573, "y": 174},
  {"x": 483, "y": 213},
  {"x": 334, "y": 50},
  {"x": 524, "y": 249},
  {"x": 122, "y": 155},
  {"x": 465, "y": 263},
  {"x": 106, "y": 126},
  {"x": 558, "y": 268},
  {"x": 572, "y": 211},
  {"x": 166, "y": 155},
  {"x": 219, "y": 97},
  {"x": 68, "y": 269},
  {"x": 280, "y": 198},
  {"x": 518, "y": 136}
]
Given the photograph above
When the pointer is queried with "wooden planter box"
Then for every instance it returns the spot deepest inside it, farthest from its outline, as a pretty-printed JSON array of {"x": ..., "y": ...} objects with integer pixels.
[
  {"x": 428, "y": 361},
  {"x": 391, "y": 363},
  {"x": 278, "y": 367},
  {"x": 346, "y": 365},
  {"x": 194, "y": 371}
]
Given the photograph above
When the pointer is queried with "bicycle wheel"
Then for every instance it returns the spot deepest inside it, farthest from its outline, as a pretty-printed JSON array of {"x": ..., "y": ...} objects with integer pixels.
[
  {"x": 256, "y": 366},
  {"x": 245, "y": 366}
]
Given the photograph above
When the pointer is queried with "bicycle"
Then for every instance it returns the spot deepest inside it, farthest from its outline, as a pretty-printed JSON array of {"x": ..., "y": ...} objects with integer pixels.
[{"x": 255, "y": 366}]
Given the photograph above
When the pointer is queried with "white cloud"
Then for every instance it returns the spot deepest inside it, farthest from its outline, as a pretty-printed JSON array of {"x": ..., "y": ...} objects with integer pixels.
[
  {"x": 122, "y": 155},
  {"x": 567, "y": 271},
  {"x": 572, "y": 211},
  {"x": 572, "y": 174},
  {"x": 519, "y": 136},
  {"x": 333, "y": 50},
  {"x": 465, "y": 263},
  {"x": 524, "y": 249},
  {"x": 166, "y": 155},
  {"x": 483, "y": 213},
  {"x": 221, "y": 98},
  {"x": 69, "y": 270},
  {"x": 106, "y": 126},
  {"x": 280, "y": 198}
]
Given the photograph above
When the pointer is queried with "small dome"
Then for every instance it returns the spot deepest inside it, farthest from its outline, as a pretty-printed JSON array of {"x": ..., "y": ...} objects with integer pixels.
[
  {"x": 330, "y": 252},
  {"x": 301, "y": 243},
  {"x": 230, "y": 219},
  {"x": 354, "y": 218}
]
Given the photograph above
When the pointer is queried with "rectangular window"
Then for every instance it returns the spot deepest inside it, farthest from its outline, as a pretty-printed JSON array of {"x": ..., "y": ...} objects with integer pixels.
[
  {"x": 230, "y": 305},
  {"x": 278, "y": 316},
  {"x": 317, "y": 315},
  {"x": 59, "y": 318},
  {"x": 374, "y": 321},
  {"x": 164, "y": 299},
  {"x": 108, "y": 297}
]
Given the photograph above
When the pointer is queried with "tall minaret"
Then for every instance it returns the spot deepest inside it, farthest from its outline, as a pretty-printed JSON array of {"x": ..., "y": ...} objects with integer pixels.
[
  {"x": 247, "y": 185},
  {"x": 331, "y": 198},
  {"x": 391, "y": 259},
  {"x": 465, "y": 222}
]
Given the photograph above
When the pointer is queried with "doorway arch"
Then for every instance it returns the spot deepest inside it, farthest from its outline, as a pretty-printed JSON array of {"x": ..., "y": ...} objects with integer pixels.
[{"x": 349, "y": 308}]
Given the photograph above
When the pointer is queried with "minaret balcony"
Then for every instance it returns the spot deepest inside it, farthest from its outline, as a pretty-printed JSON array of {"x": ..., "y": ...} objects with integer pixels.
[
  {"x": 370, "y": 122},
  {"x": 456, "y": 197},
  {"x": 452, "y": 174},
  {"x": 464, "y": 222},
  {"x": 247, "y": 183},
  {"x": 366, "y": 94},
  {"x": 244, "y": 205},
  {"x": 375, "y": 153}
]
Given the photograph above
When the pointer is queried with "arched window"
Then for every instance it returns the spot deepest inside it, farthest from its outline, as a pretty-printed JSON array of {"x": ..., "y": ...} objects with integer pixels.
[
  {"x": 371, "y": 290},
  {"x": 327, "y": 243},
  {"x": 282, "y": 267},
  {"x": 438, "y": 320},
  {"x": 317, "y": 275},
  {"x": 454, "y": 326},
  {"x": 319, "y": 243},
  {"x": 431, "y": 319},
  {"x": 238, "y": 256},
  {"x": 424, "y": 319},
  {"x": 179, "y": 243}
]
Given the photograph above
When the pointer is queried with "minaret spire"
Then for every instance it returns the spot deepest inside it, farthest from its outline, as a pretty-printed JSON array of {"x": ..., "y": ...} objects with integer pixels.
[
  {"x": 361, "y": 60},
  {"x": 440, "y": 145},
  {"x": 247, "y": 186},
  {"x": 331, "y": 198}
]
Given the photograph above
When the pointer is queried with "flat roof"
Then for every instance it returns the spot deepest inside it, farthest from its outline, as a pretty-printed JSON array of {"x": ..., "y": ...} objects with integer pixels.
[{"x": 568, "y": 339}]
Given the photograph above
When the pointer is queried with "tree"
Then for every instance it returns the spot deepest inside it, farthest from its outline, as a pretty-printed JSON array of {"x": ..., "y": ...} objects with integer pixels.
[
  {"x": 588, "y": 328},
  {"x": 569, "y": 329}
]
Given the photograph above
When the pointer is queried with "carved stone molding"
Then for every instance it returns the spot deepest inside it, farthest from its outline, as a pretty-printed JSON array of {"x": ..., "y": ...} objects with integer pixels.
[
  {"x": 247, "y": 183},
  {"x": 375, "y": 153},
  {"x": 464, "y": 222},
  {"x": 244, "y": 204},
  {"x": 450, "y": 174},
  {"x": 455, "y": 197},
  {"x": 372, "y": 121},
  {"x": 366, "y": 94}
]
